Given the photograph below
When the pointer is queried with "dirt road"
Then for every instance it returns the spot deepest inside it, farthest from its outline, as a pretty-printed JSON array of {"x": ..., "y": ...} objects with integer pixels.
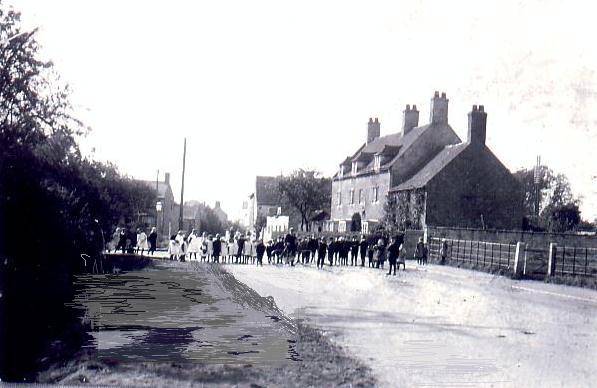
[{"x": 443, "y": 326}]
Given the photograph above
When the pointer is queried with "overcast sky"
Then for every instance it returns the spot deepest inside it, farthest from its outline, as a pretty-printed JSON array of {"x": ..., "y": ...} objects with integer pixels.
[{"x": 260, "y": 87}]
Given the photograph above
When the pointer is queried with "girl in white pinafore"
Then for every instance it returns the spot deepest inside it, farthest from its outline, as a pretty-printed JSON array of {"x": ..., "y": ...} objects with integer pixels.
[
  {"x": 194, "y": 245},
  {"x": 210, "y": 247}
]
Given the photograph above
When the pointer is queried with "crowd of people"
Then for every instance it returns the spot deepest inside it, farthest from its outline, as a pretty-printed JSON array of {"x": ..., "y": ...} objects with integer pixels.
[
  {"x": 129, "y": 241},
  {"x": 238, "y": 248}
]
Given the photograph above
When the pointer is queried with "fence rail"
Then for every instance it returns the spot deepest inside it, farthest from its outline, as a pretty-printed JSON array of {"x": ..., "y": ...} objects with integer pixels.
[
  {"x": 477, "y": 253},
  {"x": 575, "y": 261}
]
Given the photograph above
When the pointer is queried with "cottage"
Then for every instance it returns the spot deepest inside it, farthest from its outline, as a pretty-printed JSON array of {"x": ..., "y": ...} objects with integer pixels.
[{"x": 428, "y": 175}]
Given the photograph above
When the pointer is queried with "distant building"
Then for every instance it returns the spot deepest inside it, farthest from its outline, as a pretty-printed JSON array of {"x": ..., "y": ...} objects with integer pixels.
[
  {"x": 168, "y": 217},
  {"x": 275, "y": 225},
  {"x": 266, "y": 201},
  {"x": 434, "y": 177},
  {"x": 221, "y": 214}
]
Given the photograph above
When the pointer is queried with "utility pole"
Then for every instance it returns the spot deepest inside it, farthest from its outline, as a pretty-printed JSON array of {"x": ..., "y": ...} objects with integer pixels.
[
  {"x": 536, "y": 180},
  {"x": 184, "y": 156}
]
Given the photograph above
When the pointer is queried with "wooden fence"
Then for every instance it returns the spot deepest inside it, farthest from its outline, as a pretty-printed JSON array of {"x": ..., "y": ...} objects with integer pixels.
[
  {"x": 475, "y": 253},
  {"x": 575, "y": 261}
]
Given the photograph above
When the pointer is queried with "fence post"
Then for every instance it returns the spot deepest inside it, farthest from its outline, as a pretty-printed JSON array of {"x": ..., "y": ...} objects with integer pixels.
[
  {"x": 519, "y": 259},
  {"x": 551, "y": 264}
]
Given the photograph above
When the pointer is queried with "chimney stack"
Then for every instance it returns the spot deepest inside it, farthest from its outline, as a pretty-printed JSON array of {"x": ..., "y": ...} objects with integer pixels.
[
  {"x": 411, "y": 119},
  {"x": 372, "y": 129},
  {"x": 477, "y": 126},
  {"x": 167, "y": 178},
  {"x": 439, "y": 109}
]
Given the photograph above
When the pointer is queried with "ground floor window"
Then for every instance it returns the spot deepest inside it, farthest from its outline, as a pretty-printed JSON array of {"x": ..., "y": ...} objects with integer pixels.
[
  {"x": 342, "y": 226},
  {"x": 364, "y": 227}
]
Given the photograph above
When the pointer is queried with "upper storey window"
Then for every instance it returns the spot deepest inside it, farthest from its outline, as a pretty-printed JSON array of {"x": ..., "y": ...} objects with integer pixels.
[{"x": 377, "y": 162}]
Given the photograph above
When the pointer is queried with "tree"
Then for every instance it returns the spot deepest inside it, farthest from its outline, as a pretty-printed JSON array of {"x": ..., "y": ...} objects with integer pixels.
[
  {"x": 557, "y": 203},
  {"x": 50, "y": 199},
  {"x": 306, "y": 191}
]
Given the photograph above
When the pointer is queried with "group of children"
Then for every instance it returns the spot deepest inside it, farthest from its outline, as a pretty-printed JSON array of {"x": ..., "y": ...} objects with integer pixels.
[{"x": 241, "y": 249}]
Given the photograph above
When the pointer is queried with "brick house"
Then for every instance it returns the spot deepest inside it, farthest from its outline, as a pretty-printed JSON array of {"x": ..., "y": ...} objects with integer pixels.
[{"x": 429, "y": 173}]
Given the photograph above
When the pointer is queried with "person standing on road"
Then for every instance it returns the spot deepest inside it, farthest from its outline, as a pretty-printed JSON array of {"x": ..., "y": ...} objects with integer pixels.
[
  {"x": 240, "y": 241},
  {"x": 193, "y": 245},
  {"x": 121, "y": 240},
  {"x": 216, "y": 248},
  {"x": 290, "y": 244},
  {"x": 321, "y": 251},
  {"x": 420, "y": 251},
  {"x": 259, "y": 251},
  {"x": 381, "y": 253},
  {"x": 402, "y": 256},
  {"x": 393, "y": 253},
  {"x": 363, "y": 249},
  {"x": 141, "y": 241},
  {"x": 153, "y": 241},
  {"x": 354, "y": 251},
  {"x": 443, "y": 251},
  {"x": 173, "y": 248}
]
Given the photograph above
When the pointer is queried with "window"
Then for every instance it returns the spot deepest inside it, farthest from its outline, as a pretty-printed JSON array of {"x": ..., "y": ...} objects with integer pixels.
[
  {"x": 377, "y": 162},
  {"x": 341, "y": 171},
  {"x": 339, "y": 198},
  {"x": 374, "y": 194},
  {"x": 365, "y": 227},
  {"x": 360, "y": 195},
  {"x": 355, "y": 167},
  {"x": 352, "y": 196},
  {"x": 342, "y": 226}
]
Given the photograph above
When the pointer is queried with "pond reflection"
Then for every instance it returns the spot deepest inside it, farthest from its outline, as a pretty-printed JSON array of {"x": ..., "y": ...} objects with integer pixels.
[{"x": 175, "y": 312}]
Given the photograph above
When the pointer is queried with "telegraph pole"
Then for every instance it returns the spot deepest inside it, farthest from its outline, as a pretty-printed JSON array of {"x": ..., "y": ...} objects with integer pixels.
[
  {"x": 537, "y": 179},
  {"x": 184, "y": 156}
]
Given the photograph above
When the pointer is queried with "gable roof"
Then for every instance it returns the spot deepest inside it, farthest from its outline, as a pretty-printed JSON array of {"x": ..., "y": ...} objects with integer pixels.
[
  {"x": 162, "y": 187},
  {"x": 267, "y": 191},
  {"x": 431, "y": 169}
]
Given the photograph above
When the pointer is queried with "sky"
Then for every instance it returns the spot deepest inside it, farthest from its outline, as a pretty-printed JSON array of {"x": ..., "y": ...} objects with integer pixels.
[{"x": 265, "y": 87}]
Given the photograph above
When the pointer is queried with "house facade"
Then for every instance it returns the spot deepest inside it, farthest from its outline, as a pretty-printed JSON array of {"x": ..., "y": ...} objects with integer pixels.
[{"x": 429, "y": 175}]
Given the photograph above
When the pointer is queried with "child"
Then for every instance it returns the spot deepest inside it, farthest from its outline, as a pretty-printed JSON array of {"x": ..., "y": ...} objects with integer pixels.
[{"x": 173, "y": 248}]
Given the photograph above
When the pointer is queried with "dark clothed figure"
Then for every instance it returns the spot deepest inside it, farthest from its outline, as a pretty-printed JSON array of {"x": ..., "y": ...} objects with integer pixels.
[
  {"x": 290, "y": 245},
  {"x": 354, "y": 252},
  {"x": 278, "y": 251},
  {"x": 121, "y": 241},
  {"x": 363, "y": 249},
  {"x": 132, "y": 237},
  {"x": 420, "y": 251},
  {"x": 393, "y": 252},
  {"x": 321, "y": 251},
  {"x": 332, "y": 251},
  {"x": 153, "y": 241},
  {"x": 443, "y": 252},
  {"x": 241, "y": 248},
  {"x": 313, "y": 246},
  {"x": 381, "y": 255},
  {"x": 370, "y": 253},
  {"x": 216, "y": 250},
  {"x": 268, "y": 251},
  {"x": 260, "y": 250}
]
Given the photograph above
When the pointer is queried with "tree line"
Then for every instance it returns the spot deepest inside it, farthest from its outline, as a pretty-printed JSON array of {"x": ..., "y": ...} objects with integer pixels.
[{"x": 55, "y": 204}]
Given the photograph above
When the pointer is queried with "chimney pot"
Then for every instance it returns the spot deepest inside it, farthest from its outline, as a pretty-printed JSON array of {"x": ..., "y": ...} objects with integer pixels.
[
  {"x": 410, "y": 119},
  {"x": 373, "y": 129},
  {"x": 439, "y": 109},
  {"x": 477, "y": 126},
  {"x": 167, "y": 178}
]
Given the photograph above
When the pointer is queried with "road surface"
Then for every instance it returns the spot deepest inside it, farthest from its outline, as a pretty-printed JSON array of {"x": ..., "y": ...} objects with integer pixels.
[{"x": 443, "y": 326}]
